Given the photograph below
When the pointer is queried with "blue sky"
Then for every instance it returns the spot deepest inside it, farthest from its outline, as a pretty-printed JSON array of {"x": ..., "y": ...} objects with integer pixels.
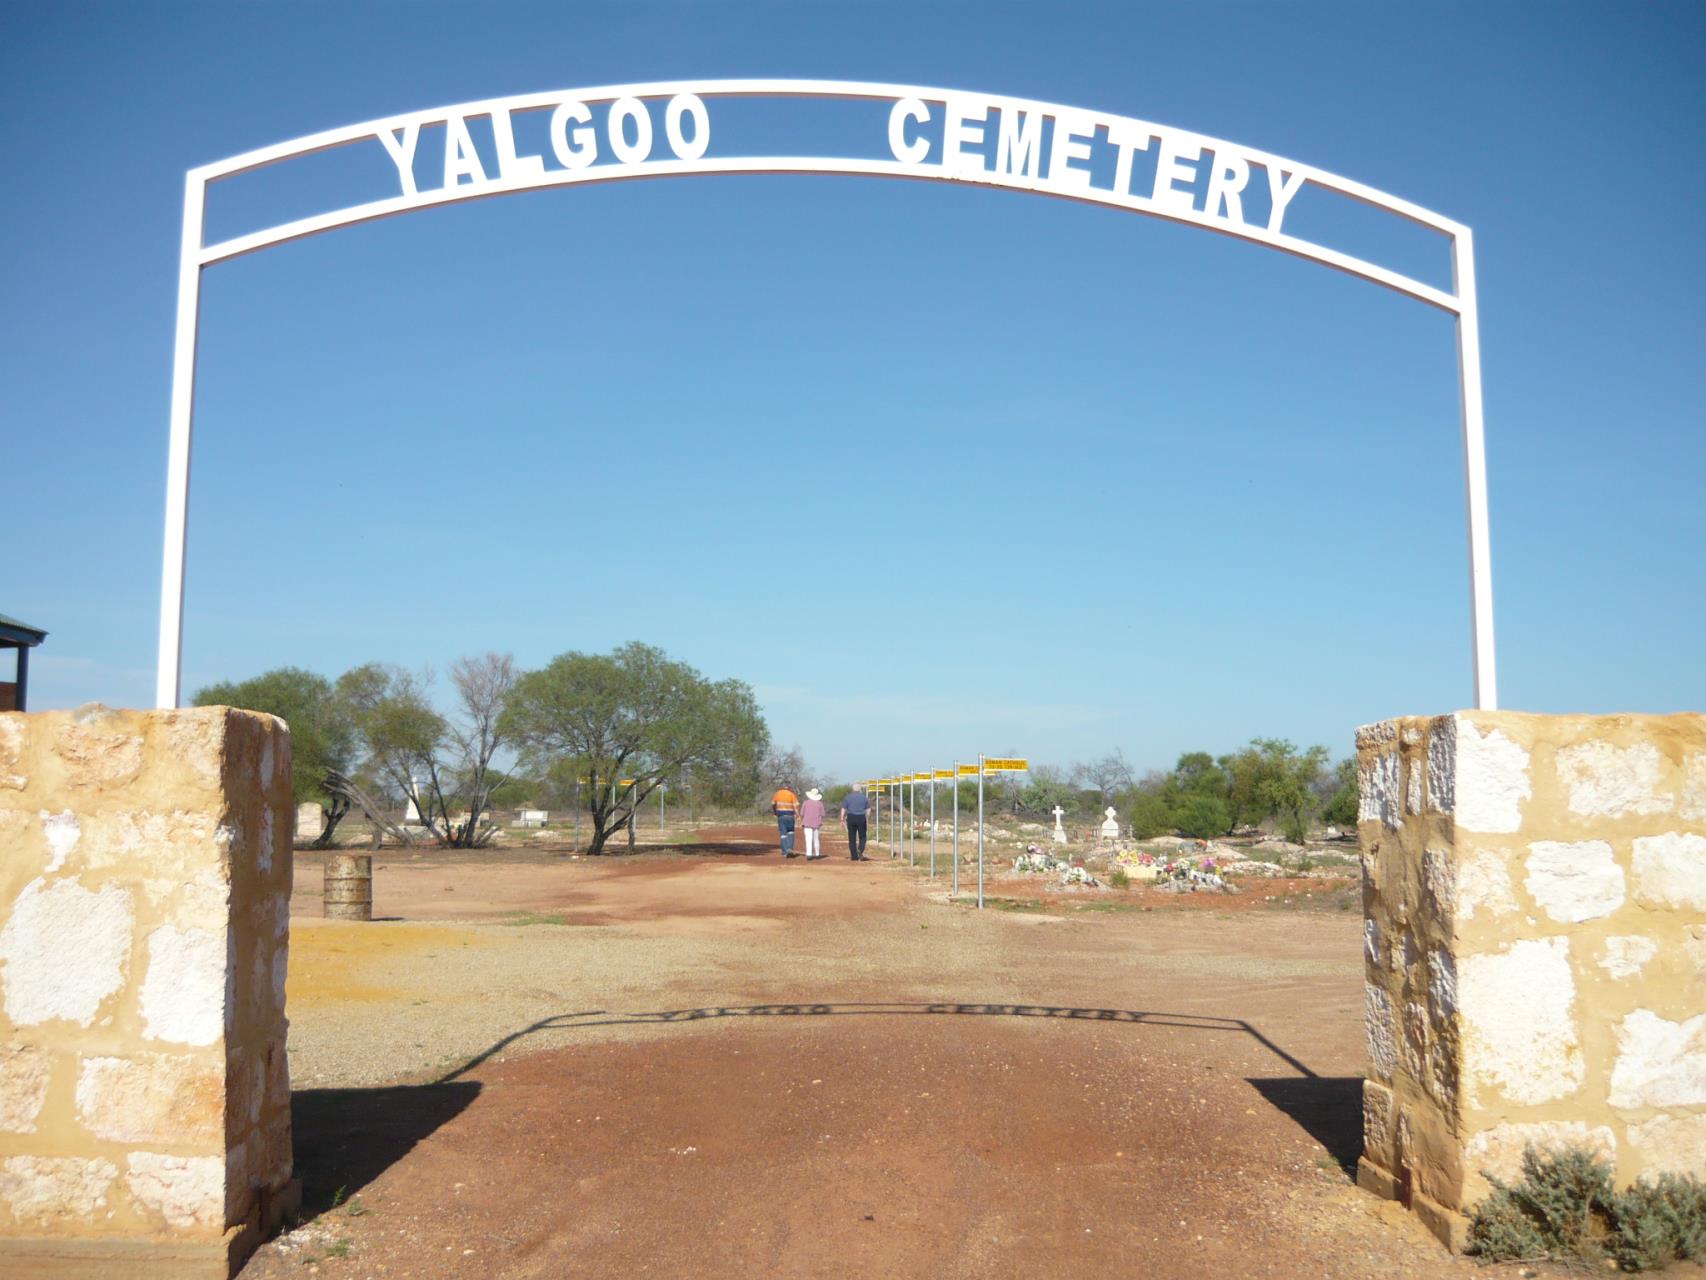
[{"x": 935, "y": 469}]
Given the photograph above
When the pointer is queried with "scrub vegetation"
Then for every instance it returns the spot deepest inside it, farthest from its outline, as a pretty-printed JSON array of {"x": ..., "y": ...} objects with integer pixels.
[{"x": 1565, "y": 1210}]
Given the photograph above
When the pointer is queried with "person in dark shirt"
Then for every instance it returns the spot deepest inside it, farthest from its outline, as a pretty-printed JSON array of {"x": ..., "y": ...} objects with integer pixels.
[{"x": 854, "y": 807}]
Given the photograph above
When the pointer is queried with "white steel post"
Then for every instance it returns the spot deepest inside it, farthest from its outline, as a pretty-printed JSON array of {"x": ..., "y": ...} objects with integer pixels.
[
  {"x": 980, "y": 831},
  {"x": 912, "y": 821},
  {"x": 1475, "y": 470},
  {"x": 169, "y": 670},
  {"x": 660, "y": 808},
  {"x": 932, "y": 824},
  {"x": 955, "y": 891}
]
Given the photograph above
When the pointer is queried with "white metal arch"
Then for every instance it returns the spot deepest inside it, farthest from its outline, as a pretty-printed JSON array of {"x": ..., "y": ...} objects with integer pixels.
[{"x": 982, "y": 139}]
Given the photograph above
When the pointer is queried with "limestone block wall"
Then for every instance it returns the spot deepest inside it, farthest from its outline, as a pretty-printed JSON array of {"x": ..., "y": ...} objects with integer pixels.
[
  {"x": 1534, "y": 915},
  {"x": 145, "y": 865}
]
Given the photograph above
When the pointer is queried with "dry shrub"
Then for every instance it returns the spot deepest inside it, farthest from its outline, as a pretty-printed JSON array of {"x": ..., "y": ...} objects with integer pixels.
[{"x": 1566, "y": 1209}]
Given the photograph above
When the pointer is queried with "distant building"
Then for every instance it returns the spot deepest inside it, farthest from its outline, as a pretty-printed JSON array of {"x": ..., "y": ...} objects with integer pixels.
[{"x": 20, "y": 637}]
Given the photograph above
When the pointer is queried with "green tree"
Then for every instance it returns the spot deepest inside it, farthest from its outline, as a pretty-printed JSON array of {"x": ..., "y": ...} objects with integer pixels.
[
  {"x": 401, "y": 735},
  {"x": 322, "y": 736},
  {"x": 1203, "y": 817},
  {"x": 635, "y": 713},
  {"x": 1045, "y": 787},
  {"x": 1341, "y": 806},
  {"x": 1150, "y": 814},
  {"x": 1271, "y": 778}
]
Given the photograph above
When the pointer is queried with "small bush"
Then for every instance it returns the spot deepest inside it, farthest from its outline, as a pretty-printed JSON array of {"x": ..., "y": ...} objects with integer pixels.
[
  {"x": 1565, "y": 1209},
  {"x": 1119, "y": 879}
]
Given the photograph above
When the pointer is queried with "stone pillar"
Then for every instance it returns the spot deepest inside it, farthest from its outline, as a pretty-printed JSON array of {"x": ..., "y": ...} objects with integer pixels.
[
  {"x": 1534, "y": 928},
  {"x": 145, "y": 869}
]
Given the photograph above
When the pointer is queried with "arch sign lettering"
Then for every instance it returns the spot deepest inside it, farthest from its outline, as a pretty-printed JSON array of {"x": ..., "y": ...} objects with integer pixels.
[{"x": 428, "y": 158}]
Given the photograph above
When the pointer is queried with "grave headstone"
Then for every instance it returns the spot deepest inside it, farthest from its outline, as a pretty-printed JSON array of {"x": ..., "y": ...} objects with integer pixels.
[
  {"x": 1110, "y": 825},
  {"x": 531, "y": 818},
  {"x": 310, "y": 822},
  {"x": 1059, "y": 831}
]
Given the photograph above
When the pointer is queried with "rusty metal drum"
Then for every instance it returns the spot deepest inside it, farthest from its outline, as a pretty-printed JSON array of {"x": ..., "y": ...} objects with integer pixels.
[{"x": 348, "y": 891}]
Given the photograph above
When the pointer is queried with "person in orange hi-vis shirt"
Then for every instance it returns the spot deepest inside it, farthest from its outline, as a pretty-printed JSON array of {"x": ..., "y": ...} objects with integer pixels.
[{"x": 785, "y": 805}]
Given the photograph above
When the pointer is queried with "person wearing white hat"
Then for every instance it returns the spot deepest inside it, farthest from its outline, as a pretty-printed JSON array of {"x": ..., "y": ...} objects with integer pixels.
[{"x": 811, "y": 822}]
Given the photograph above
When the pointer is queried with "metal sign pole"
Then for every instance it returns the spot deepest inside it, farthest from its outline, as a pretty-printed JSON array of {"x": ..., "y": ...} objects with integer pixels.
[
  {"x": 980, "y": 831},
  {"x": 912, "y": 820},
  {"x": 577, "y": 815},
  {"x": 660, "y": 808},
  {"x": 932, "y": 824},
  {"x": 955, "y": 891}
]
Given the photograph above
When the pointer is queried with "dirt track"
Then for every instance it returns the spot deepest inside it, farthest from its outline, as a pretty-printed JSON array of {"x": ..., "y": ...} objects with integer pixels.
[{"x": 732, "y": 1065}]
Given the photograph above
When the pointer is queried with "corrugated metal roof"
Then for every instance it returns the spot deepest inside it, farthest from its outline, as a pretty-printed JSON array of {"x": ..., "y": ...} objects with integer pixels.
[{"x": 20, "y": 632}]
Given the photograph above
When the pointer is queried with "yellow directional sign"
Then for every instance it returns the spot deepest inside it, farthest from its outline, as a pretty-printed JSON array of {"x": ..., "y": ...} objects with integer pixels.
[
  {"x": 968, "y": 771},
  {"x": 921, "y": 777},
  {"x": 943, "y": 773},
  {"x": 1012, "y": 765}
]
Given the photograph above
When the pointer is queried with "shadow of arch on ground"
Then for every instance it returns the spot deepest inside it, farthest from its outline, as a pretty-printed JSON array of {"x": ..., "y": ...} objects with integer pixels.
[
  {"x": 345, "y": 1138},
  {"x": 844, "y": 1009}
]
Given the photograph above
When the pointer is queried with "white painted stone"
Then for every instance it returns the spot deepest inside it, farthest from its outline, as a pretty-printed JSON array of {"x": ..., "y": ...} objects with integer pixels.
[
  {"x": 173, "y": 844},
  {"x": 1574, "y": 881},
  {"x": 1440, "y": 878},
  {"x": 1671, "y": 1144},
  {"x": 1605, "y": 781},
  {"x": 1379, "y": 788},
  {"x": 1670, "y": 871},
  {"x": 1627, "y": 954},
  {"x": 62, "y": 1191},
  {"x": 12, "y": 753},
  {"x": 1380, "y": 733},
  {"x": 1498, "y": 1151},
  {"x": 281, "y": 919},
  {"x": 62, "y": 830},
  {"x": 183, "y": 991},
  {"x": 1376, "y": 1116},
  {"x": 1694, "y": 786},
  {"x": 1382, "y": 1036},
  {"x": 204, "y": 902},
  {"x": 1694, "y": 948},
  {"x": 280, "y": 970},
  {"x": 24, "y": 1074},
  {"x": 237, "y": 1181},
  {"x": 94, "y": 750},
  {"x": 198, "y": 739},
  {"x": 1483, "y": 884},
  {"x": 1442, "y": 766},
  {"x": 265, "y": 851},
  {"x": 1442, "y": 984},
  {"x": 1492, "y": 780},
  {"x": 187, "y": 1191},
  {"x": 1413, "y": 787},
  {"x": 63, "y": 951},
  {"x": 152, "y": 1098},
  {"x": 1659, "y": 1063},
  {"x": 1518, "y": 1026},
  {"x": 1416, "y": 1044},
  {"x": 1373, "y": 947}
]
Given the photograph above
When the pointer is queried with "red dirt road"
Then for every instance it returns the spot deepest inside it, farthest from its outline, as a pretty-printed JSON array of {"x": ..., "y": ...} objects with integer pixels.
[{"x": 951, "y": 1093}]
